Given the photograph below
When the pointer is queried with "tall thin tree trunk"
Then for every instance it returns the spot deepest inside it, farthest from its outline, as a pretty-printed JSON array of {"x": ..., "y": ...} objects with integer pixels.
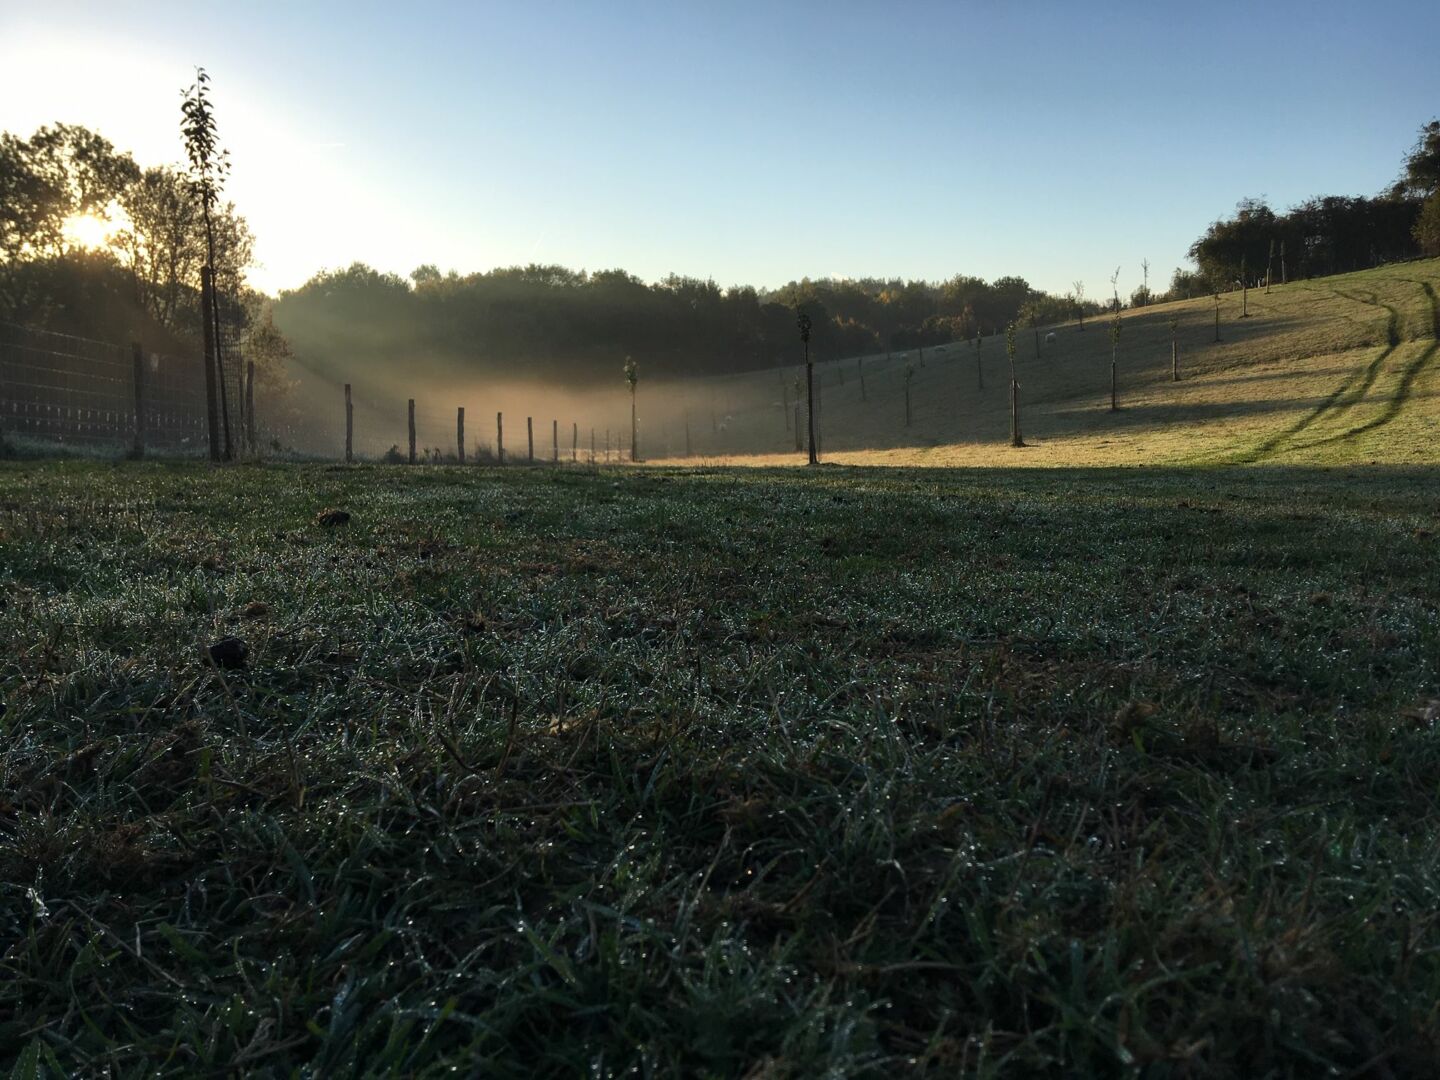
[
  {"x": 1015, "y": 439},
  {"x": 219, "y": 342},
  {"x": 212, "y": 405}
]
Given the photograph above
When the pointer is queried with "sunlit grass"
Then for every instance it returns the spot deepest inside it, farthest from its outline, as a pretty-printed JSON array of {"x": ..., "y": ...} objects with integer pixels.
[{"x": 1322, "y": 372}]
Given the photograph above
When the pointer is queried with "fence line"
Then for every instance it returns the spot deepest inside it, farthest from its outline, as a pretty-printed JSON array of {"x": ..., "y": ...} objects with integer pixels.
[{"x": 68, "y": 389}]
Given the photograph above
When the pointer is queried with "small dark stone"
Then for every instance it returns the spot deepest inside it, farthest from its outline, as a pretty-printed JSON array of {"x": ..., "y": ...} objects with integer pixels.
[
  {"x": 229, "y": 653},
  {"x": 330, "y": 518}
]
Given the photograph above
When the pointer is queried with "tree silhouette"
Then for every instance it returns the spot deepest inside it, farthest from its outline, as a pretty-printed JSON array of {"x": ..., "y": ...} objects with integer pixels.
[
  {"x": 1174, "y": 348},
  {"x": 802, "y": 322},
  {"x": 1114, "y": 360},
  {"x": 1015, "y": 439},
  {"x": 632, "y": 377},
  {"x": 209, "y": 167}
]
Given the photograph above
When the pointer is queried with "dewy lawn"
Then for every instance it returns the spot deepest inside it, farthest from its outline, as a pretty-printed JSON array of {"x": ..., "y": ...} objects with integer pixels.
[{"x": 837, "y": 772}]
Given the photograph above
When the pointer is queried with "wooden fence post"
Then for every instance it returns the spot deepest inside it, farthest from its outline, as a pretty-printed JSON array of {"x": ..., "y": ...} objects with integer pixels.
[
  {"x": 607, "y": 446},
  {"x": 574, "y": 441},
  {"x": 500, "y": 437},
  {"x": 349, "y": 427},
  {"x": 592, "y": 446},
  {"x": 460, "y": 433},
  {"x": 411, "y": 409},
  {"x": 530, "y": 437},
  {"x": 139, "y": 358},
  {"x": 251, "y": 435},
  {"x": 555, "y": 441}
]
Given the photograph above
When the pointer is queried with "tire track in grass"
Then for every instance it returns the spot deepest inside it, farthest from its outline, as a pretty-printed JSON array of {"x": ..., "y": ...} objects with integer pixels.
[{"x": 1328, "y": 406}]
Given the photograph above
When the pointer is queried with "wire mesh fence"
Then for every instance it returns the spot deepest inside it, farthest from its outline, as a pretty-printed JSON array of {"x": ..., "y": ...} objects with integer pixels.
[
  {"x": 58, "y": 388},
  {"x": 64, "y": 389}
]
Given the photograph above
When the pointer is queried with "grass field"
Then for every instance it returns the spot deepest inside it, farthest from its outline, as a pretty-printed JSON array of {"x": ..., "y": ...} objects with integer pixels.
[
  {"x": 1330, "y": 371},
  {"x": 760, "y": 773}
]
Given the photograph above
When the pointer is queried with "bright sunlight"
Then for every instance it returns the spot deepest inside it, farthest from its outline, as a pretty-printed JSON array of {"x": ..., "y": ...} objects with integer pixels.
[{"x": 89, "y": 231}]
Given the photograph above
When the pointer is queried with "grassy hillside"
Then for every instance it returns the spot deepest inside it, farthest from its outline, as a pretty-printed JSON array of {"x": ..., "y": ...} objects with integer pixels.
[
  {"x": 1335, "y": 370},
  {"x": 794, "y": 773}
]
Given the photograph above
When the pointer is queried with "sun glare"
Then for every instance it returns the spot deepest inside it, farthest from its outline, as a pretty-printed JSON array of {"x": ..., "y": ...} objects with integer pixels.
[{"x": 88, "y": 231}]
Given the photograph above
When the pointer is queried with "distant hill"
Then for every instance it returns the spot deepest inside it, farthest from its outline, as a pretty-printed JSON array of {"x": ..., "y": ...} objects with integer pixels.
[{"x": 1331, "y": 370}]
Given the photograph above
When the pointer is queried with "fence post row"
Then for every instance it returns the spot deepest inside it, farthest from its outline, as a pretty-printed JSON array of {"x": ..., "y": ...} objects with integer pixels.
[
  {"x": 460, "y": 432},
  {"x": 349, "y": 427}
]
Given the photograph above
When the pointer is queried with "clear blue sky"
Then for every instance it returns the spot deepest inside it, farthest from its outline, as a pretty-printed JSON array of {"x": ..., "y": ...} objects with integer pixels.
[{"x": 747, "y": 142}]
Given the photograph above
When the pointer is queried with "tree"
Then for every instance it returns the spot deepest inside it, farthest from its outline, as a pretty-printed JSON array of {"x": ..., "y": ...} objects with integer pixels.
[
  {"x": 1174, "y": 348},
  {"x": 1115, "y": 325},
  {"x": 164, "y": 245},
  {"x": 632, "y": 377},
  {"x": 209, "y": 166},
  {"x": 1015, "y": 439},
  {"x": 1421, "y": 175},
  {"x": 802, "y": 322},
  {"x": 1427, "y": 226},
  {"x": 59, "y": 173},
  {"x": 1080, "y": 302}
]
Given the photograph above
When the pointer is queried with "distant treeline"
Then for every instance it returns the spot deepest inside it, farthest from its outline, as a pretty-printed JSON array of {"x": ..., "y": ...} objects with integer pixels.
[
  {"x": 139, "y": 280},
  {"x": 94, "y": 244},
  {"x": 1331, "y": 234},
  {"x": 555, "y": 322}
]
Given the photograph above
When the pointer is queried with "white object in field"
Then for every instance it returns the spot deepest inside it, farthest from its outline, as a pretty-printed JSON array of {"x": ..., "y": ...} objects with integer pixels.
[{"x": 1049, "y": 337}]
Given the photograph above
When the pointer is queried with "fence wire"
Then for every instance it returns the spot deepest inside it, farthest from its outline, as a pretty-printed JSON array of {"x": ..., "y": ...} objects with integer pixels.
[{"x": 65, "y": 389}]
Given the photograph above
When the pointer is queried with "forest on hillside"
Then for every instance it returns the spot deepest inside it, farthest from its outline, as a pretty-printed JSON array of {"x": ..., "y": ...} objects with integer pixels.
[{"x": 138, "y": 279}]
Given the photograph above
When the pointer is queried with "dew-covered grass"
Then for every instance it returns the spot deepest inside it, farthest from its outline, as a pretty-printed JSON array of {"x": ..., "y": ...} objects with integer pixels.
[{"x": 756, "y": 773}]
